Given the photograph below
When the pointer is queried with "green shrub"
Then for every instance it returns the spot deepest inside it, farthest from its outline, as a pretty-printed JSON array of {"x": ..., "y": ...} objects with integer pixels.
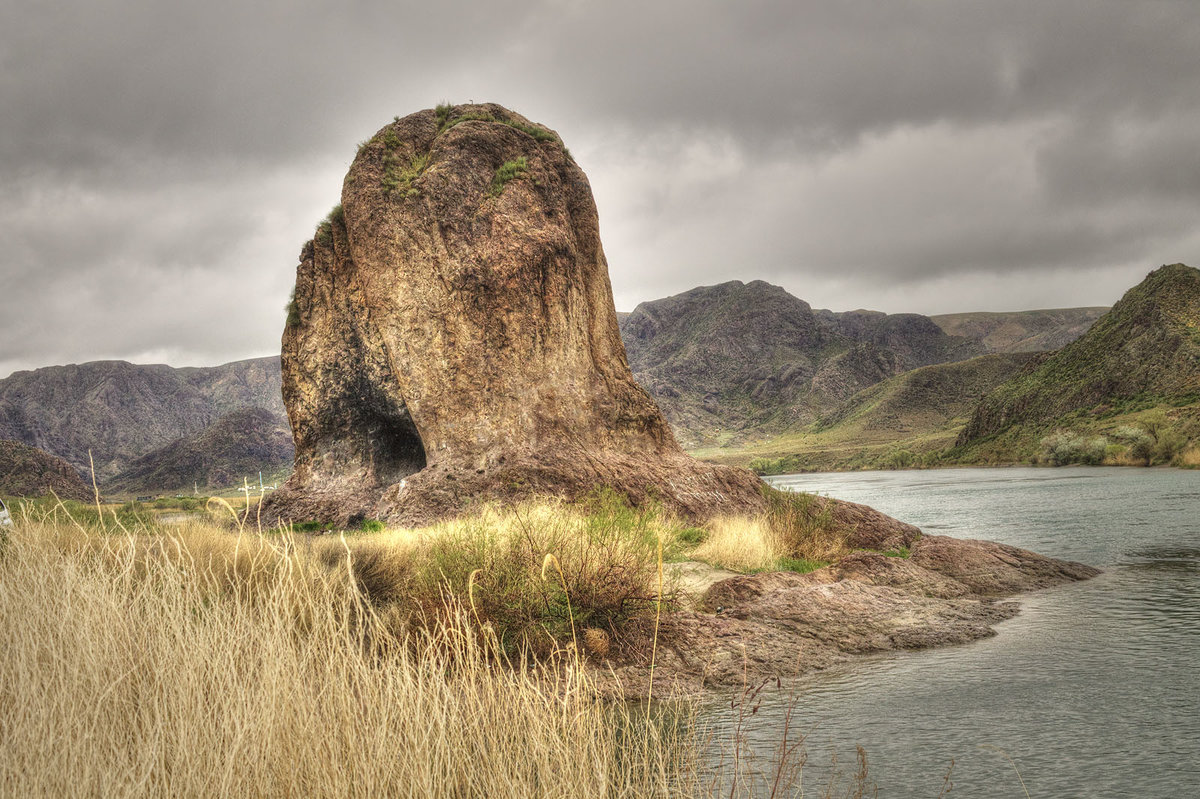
[
  {"x": 324, "y": 234},
  {"x": 803, "y": 526},
  {"x": 293, "y": 313},
  {"x": 507, "y": 172},
  {"x": 899, "y": 459},
  {"x": 1169, "y": 445},
  {"x": 691, "y": 535},
  {"x": 1065, "y": 447},
  {"x": 1139, "y": 444},
  {"x": 800, "y": 565},
  {"x": 311, "y": 527},
  {"x": 391, "y": 139},
  {"x": 372, "y": 526},
  {"x": 398, "y": 178},
  {"x": 784, "y": 464},
  {"x": 602, "y": 571}
]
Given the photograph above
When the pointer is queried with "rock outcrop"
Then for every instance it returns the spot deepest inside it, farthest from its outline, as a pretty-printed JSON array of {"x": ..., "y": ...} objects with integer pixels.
[
  {"x": 453, "y": 338},
  {"x": 781, "y": 624}
]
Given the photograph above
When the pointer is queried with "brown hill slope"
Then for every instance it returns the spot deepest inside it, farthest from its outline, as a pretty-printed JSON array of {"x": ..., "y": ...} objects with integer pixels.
[
  {"x": 121, "y": 410},
  {"x": 29, "y": 472},
  {"x": 743, "y": 358},
  {"x": 1021, "y": 331},
  {"x": 239, "y": 444}
]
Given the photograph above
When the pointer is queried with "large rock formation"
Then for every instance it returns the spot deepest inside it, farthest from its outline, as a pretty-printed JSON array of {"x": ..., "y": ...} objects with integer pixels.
[{"x": 453, "y": 338}]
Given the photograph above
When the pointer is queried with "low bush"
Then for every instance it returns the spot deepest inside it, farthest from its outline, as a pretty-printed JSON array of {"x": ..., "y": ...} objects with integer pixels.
[
  {"x": 535, "y": 575},
  {"x": 802, "y": 525},
  {"x": 1065, "y": 447},
  {"x": 784, "y": 464},
  {"x": 506, "y": 173}
]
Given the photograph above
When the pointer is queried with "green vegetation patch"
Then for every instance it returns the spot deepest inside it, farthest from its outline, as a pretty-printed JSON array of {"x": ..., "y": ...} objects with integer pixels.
[
  {"x": 801, "y": 565},
  {"x": 446, "y": 122},
  {"x": 324, "y": 233},
  {"x": 507, "y": 172},
  {"x": 784, "y": 464},
  {"x": 398, "y": 175}
]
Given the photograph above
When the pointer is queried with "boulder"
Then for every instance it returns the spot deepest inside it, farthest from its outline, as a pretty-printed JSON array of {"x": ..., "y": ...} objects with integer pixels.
[{"x": 453, "y": 339}]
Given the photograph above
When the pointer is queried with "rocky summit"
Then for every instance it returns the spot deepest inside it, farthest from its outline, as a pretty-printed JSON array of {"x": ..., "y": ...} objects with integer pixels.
[{"x": 453, "y": 338}]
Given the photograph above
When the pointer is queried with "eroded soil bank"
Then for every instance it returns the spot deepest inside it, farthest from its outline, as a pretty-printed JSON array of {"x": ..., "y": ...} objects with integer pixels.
[{"x": 745, "y": 628}]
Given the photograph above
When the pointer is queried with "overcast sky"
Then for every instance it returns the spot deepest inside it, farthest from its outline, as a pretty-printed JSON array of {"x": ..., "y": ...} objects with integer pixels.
[{"x": 162, "y": 163}]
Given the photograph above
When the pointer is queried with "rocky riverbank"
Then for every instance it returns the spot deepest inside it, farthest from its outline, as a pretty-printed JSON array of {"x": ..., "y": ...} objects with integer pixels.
[{"x": 745, "y": 628}]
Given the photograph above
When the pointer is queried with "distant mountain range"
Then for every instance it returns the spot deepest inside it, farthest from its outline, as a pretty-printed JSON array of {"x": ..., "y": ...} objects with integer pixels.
[
  {"x": 741, "y": 370},
  {"x": 1021, "y": 331},
  {"x": 122, "y": 411},
  {"x": 736, "y": 359}
]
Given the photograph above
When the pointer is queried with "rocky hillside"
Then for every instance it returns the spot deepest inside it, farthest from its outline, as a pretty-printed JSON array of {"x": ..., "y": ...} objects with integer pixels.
[
  {"x": 1021, "y": 331},
  {"x": 739, "y": 356},
  {"x": 1145, "y": 351},
  {"x": 239, "y": 444},
  {"x": 29, "y": 472},
  {"x": 122, "y": 411}
]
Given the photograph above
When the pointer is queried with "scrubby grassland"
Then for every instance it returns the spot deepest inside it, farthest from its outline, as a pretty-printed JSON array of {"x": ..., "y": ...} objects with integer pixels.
[{"x": 207, "y": 660}]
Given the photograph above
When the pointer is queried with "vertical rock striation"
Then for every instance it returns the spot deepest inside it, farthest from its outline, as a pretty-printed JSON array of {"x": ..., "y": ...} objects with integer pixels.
[{"x": 453, "y": 338}]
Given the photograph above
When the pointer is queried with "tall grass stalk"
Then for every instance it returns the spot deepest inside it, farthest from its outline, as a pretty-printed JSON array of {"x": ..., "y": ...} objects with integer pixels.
[
  {"x": 220, "y": 661},
  {"x": 208, "y": 664}
]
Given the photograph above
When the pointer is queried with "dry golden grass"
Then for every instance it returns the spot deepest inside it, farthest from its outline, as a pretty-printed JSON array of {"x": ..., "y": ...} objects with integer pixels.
[
  {"x": 208, "y": 664},
  {"x": 494, "y": 562},
  {"x": 1189, "y": 458},
  {"x": 739, "y": 544},
  {"x": 200, "y": 661},
  {"x": 797, "y": 531}
]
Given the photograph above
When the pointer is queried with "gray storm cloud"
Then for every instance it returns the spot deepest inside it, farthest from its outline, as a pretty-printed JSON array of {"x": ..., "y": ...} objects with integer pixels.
[{"x": 161, "y": 164}]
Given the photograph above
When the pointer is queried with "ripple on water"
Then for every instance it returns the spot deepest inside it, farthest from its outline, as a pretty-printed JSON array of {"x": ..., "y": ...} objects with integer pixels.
[{"x": 1093, "y": 689}]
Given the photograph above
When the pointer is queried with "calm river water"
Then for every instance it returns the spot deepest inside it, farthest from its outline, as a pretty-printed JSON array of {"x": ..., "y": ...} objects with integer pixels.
[{"x": 1093, "y": 690}]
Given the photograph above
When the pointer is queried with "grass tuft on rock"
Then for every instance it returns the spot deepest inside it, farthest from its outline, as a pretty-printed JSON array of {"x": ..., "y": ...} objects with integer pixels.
[{"x": 506, "y": 173}]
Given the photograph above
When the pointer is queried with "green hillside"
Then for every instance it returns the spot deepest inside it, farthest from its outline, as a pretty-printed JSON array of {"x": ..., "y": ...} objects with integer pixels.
[{"x": 1134, "y": 375}]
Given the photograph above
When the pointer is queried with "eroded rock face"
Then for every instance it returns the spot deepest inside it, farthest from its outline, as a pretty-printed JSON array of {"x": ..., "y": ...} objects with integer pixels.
[{"x": 453, "y": 338}]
